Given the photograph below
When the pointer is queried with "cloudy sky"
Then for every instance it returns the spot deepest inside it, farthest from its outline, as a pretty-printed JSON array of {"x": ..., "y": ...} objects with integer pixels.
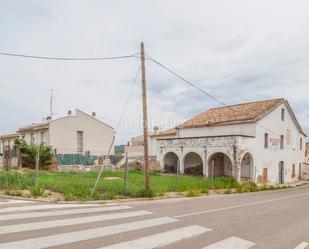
[{"x": 236, "y": 50}]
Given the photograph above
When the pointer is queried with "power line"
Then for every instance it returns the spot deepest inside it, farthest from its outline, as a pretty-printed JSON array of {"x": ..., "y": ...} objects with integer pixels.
[
  {"x": 128, "y": 98},
  {"x": 68, "y": 58},
  {"x": 207, "y": 94},
  {"x": 188, "y": 82},
  {"x": 117, "y": 127}
]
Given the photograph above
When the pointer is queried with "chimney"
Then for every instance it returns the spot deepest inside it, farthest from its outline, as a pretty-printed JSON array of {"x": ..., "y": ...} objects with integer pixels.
[
  {"x": 94, "y": 114},
  {"x": 69, "y": 113},
  {"x": 156, "y": 129}
]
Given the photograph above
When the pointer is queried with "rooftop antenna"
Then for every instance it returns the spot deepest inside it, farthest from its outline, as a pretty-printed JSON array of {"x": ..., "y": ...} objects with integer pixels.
[{"x": 51, "y": 103}]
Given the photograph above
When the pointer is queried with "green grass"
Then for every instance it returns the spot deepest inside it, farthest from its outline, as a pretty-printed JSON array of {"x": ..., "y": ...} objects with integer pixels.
[{"x": 77, "y": 186}]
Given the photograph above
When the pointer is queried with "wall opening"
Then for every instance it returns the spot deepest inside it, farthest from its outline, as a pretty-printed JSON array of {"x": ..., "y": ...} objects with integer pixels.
[
  {"x": 170, "y": 162},
  {"x": 247, "y": 168},
  {"x": 220, "y": 165},
  {"x": 193, "y": 164}
]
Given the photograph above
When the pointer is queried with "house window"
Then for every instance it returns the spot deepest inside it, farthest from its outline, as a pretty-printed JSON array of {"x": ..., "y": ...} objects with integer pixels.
[
  {"x": 266, "y": 140},
  {"x": 282, "y": 114},
  {"x": 80, "y": 138},
  {"x": 282, "y": 142},
  {"x": 301, "y": 144}
]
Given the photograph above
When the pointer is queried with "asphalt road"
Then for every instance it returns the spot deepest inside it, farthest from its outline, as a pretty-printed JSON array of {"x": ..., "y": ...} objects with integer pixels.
[{"x": 272, "y": 219}]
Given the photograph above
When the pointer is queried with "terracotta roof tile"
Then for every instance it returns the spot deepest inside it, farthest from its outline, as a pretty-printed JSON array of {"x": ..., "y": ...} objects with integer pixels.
[{"x": 246, "y": 112}]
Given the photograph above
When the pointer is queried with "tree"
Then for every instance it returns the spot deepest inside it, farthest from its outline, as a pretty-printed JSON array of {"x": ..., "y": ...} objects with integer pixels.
[
  {"x": 29, "y": 152},
  {"x": 20, "y": 146}
]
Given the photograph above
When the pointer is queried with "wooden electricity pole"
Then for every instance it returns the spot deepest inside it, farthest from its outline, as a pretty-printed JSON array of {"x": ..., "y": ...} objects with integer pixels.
[{"x": 145, "y": 119}]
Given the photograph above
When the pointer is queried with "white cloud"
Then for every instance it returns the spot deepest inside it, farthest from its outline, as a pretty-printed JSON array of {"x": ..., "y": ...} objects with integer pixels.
[{"x": 236, "y": 50}]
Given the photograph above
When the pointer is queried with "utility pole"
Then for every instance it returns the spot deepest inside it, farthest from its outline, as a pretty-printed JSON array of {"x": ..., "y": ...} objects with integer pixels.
[{"x": 145, "y": 119}]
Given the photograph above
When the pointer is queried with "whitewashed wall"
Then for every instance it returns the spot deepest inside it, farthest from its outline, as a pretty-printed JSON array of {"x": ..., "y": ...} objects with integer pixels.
[
  {"x": 97, "y": 136},
  {"x": 223, "y": 130},
  {"x": 40, "y": 136},
  {"x": 270, "y": 158},
  {"x": 248, "y": 138}
]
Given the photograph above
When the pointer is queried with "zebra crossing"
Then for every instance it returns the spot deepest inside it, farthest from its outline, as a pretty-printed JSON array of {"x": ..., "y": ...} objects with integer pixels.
[
  {"x": 302, "y": 245},
  {"x": 27, "y": 220}
]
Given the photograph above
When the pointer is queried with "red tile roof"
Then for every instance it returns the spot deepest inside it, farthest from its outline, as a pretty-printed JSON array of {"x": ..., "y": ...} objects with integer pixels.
[{"x": 240, "y": 113}]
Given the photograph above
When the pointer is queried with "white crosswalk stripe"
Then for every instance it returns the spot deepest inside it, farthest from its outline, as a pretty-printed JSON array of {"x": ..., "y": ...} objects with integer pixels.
[
  {"x": 161, "y": 239},
  {"x": 88, "y": 214},
  {"x": 48, "y": 206},
  {"x": 65, "y": 238},
  {"x": 302, "y": 245},
  {"x": 62, "y": 212},
  {"x": 68, "y": 222},
  {"x": 231, "y": 243}
]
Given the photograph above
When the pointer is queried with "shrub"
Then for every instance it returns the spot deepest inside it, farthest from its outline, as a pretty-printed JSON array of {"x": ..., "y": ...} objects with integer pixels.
[
  {"x": 253, "y": 187},
  {"x": 97, "y": 195},
  {"x": 68, "y": 196},
  {"x": 193, "y": 192},
  {"x": 263, "y": 188},
  {"x": 36, "y": 191},
  {"x": 240, "y": 189},
  {"x": 205, "y": 191},
  {"x": 15, "y": 192},
  {"x": 110, "y": 195},
  {"x": 147, "y": 193},
  {"x": 161, "y": 192},
  {"x": 227, "y": 191}
]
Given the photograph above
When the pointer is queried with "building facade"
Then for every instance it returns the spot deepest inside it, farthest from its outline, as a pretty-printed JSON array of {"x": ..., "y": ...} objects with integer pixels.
[
  {"x": 73, "y": 134},
  {"x": 259, "y": 141}
]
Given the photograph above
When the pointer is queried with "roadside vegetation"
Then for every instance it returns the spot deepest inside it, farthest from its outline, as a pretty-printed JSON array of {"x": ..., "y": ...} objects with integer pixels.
[{"x": 77, "y": 186}]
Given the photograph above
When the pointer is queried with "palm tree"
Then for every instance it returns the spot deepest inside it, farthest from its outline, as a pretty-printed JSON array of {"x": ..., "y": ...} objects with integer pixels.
[
  {"x": 29, "y": 153},
  {"x": 20, "y": 146}
]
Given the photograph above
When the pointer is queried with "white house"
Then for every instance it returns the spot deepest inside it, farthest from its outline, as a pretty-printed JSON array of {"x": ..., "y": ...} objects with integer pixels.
[
  {"x": 258, "y": 141},
  {"x": 135, "y": 147},
  {"x": 73, "y": 134}
]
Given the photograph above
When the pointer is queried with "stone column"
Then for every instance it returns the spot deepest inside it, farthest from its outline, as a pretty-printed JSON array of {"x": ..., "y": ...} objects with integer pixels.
[
  {"x": 205, "y": 168},
  {"x": 182, "y": 166},
  {"x": 236, "y": 164},
  {"x": 205, "y": 163}
]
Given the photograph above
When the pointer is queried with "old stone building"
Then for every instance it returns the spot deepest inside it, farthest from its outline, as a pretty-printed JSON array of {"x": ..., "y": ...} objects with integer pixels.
[{"x": 258, "y": 141}]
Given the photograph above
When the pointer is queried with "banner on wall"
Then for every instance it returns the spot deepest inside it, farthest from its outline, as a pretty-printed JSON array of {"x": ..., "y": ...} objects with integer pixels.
[{"x": 274, "y": 143}]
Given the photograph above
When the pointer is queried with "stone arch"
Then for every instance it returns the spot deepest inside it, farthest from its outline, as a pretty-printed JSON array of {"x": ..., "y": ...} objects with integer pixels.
[
  {"x": 193, "y": 164},
  {"x": 220, "y": 164},
  {"x": 170, "y": 160},
  {"x": 247, "y": 168}
]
